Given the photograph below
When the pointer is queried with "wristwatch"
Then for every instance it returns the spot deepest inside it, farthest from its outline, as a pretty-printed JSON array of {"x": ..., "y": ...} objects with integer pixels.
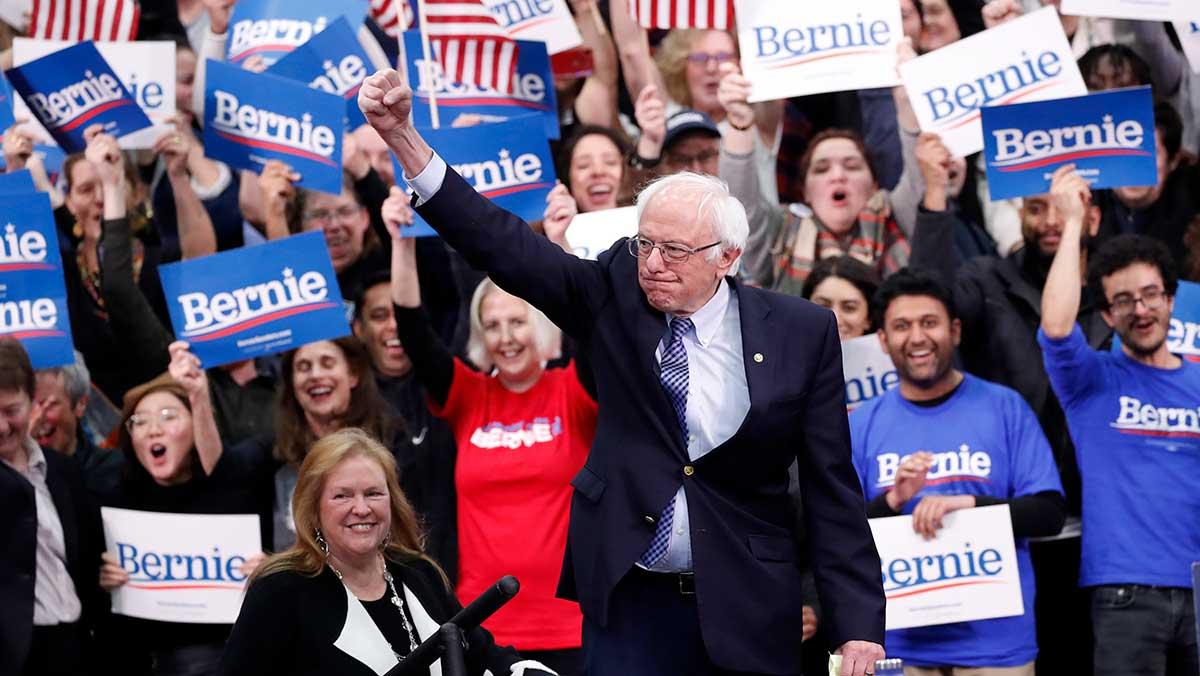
[{"x": 638, "y": 162}]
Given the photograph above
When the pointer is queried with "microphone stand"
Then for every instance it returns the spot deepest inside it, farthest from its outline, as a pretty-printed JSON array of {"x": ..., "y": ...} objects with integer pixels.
[{"x": 447, "y": 643}]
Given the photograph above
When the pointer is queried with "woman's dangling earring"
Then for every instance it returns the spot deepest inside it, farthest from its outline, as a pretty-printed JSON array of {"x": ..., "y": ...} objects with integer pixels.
[
  {"x": 322, "y": 544},
  {"x": 387, "y": 538}
]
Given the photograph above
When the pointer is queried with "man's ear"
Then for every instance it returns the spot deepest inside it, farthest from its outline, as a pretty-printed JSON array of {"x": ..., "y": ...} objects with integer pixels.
[
  {"x": 80, "y": 406},
  {"x": 729, "y": 257}
]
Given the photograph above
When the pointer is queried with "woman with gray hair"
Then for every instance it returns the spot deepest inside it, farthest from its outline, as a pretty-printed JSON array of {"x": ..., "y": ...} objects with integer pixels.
[{"x": 523, "y": 433}]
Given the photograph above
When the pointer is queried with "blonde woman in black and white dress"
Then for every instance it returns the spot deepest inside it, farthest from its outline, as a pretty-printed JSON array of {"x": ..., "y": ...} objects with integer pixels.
[{"x": 355, "y": 593}]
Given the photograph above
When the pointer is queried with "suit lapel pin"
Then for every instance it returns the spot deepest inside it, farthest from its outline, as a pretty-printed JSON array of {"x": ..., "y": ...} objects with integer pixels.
[{"x": 758, "y": 358}]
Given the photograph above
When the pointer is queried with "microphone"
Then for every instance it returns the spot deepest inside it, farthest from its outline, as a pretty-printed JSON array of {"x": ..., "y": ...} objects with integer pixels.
[
  {"x": 464, "y": 621},
  {"x": 486, "y": 603}
]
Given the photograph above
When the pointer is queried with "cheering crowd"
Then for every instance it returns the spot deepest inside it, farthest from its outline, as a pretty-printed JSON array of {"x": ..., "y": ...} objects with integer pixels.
[{"x": 451, "y": 430}]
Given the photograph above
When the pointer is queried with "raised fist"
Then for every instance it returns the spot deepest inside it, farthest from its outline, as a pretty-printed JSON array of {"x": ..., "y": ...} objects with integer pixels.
[{"x": 386, "y": 102}]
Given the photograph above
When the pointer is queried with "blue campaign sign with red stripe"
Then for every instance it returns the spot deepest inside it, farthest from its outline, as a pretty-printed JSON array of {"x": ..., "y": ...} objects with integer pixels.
[
  {"x": 256, "y": 300},
  {"x": 508, "y": 162},
  {"x": 74, "y": 88},
  {"x": 272, "y": 28},
  {"x": 1108, "y": 136},
  {"x": 331, "y": 61},
  {"x": 33, "y": 297},
  {"x": 250, "y": 118},
  {"x": 533, "y": 89}
]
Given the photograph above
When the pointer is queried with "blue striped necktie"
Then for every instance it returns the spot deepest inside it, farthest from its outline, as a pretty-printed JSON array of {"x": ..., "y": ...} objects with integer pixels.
[{"x": 673, "y": 371}]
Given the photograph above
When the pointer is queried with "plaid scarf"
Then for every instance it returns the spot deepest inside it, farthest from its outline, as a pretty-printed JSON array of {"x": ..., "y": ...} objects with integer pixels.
[{"x": 875, "y": 239}]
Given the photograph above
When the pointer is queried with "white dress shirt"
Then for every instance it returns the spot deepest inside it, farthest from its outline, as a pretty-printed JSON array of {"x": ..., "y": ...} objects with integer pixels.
[
  {"x": 54, "y": 597},
  {"x": 429, "y": 180},
  {"x": 717, "y": 401},
  {"x": 718, "y": 395}
]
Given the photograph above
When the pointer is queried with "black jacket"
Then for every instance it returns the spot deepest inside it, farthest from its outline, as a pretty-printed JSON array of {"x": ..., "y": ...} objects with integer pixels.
[
  {"x": 289, "y": 623},
  {"x": 1166, "y": 220},
  {"x": 999, "y": 301},
  {"x": 82, "y": 536}
]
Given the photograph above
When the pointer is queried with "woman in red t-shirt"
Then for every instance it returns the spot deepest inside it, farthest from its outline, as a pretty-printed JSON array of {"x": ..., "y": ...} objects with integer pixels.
[{"x": 523, "y": 432}]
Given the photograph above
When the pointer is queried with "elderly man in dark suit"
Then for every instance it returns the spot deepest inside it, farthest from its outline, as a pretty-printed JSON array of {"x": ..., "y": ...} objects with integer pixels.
[
  {"x": 680, "y": 548},
  {"x": 50, "y": 530}
]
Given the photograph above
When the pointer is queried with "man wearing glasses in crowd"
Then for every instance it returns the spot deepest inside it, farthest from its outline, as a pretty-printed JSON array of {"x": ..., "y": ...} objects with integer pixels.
[
  {"x": 708, "y": 391},
  {"x": 1135, "y": 421},
  {"x": 50, "y": 562}
]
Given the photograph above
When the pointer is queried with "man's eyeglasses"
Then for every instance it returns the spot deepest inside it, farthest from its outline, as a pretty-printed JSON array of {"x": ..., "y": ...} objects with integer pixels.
[
  {"x": 342, "y": 213},
  {"x": 1152, "y": 298},
  {"x": 701, "y": 59},
  {"x": 681, "y": 160},
  {"x": 640, "y": 247},
  {"x": 139, "y": 423}
]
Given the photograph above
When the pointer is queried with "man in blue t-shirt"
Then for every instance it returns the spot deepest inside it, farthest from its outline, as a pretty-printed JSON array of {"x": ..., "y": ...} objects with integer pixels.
[
  {"x": 943, "y": 441},
  {"x": 1135, "y": 421}
]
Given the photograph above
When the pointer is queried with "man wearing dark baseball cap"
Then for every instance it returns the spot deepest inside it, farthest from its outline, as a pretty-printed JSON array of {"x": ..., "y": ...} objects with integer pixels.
[{"x": 691, "y": 142}]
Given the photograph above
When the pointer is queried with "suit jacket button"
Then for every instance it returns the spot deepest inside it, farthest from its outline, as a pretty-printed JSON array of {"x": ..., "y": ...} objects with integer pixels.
[
  {"x": 649, "y": 519},
  {"x": 688, "y": 470}
]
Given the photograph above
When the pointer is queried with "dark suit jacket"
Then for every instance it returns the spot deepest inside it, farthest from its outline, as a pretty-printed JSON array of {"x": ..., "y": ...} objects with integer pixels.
[
  {"x": 18, "y": 533},
  {"x": 748, "y": 580}
]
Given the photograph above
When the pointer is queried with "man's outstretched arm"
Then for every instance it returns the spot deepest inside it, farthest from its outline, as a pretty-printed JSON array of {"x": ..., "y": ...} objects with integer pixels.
[{"x": 522, "y": 262}]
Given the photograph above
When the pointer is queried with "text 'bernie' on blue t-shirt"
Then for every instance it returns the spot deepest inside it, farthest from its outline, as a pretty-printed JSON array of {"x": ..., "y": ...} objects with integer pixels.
[
  {"x": 1136, "y": 430},
  {"x": 986, "y": 441}
]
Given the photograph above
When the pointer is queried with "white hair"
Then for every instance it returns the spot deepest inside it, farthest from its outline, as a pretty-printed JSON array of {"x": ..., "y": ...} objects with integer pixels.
[
  {"x": 714, "y": 203},
  {"x": 77, "y": 381},
  {"x": 547, "y": 338}
]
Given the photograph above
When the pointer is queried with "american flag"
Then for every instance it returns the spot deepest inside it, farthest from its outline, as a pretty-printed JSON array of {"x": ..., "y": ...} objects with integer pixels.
[
  {"x": 716, "y": 14},
  {"x": 393, "y": 16},
  {"x": 470, "y": 45},
  {"x": 102, "y": 20}
]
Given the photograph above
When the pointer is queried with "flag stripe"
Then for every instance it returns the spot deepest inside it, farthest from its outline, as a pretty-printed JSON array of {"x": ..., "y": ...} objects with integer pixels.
[
  {"x": 473, "y": 48},
  {"x": 706, "y": 14},
  {"x": 84, "y": 19}
]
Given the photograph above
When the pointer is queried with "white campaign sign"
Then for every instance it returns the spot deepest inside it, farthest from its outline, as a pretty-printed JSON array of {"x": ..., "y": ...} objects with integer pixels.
[
  {"x": 1026, "y": 59},
  {"x": 146, "y": 68},
  {"x": 798, "y": 48},
  {"x": 16, "y": 13},
  {"x": 868, "y": 369},
  {"x": 547, "y": 20},
  {"x": 182, "y": 567},
  {"x": 593, "y": 233},
  {"x": 1143, "y": 10},
  {"x": 968, "y": 572},
  {"x": 1189, "y": 37}
]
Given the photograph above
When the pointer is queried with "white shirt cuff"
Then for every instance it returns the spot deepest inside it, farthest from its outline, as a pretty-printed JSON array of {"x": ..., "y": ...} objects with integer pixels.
[{"x": 429, "y": 180}]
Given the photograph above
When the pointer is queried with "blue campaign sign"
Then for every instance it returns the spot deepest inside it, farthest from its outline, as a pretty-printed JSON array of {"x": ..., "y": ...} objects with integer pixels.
[
  {"x": 1108, "y": 136},
  {"x": 6, "y": 105},
  {"x": 33, "y": 297},
  {"x": 74, "y": 88},
  {"x": 272, "y": 28},
  {"x": 52, "y": 158},
  {"x": 508, "y": 162},
  {"x": 256, "y": 300},
  {"x": 250, "y": 118},
  {"x": 20, "y": 181},
  {"x": 331, "y": 61},
  {"x": 533, "y": 89}
]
